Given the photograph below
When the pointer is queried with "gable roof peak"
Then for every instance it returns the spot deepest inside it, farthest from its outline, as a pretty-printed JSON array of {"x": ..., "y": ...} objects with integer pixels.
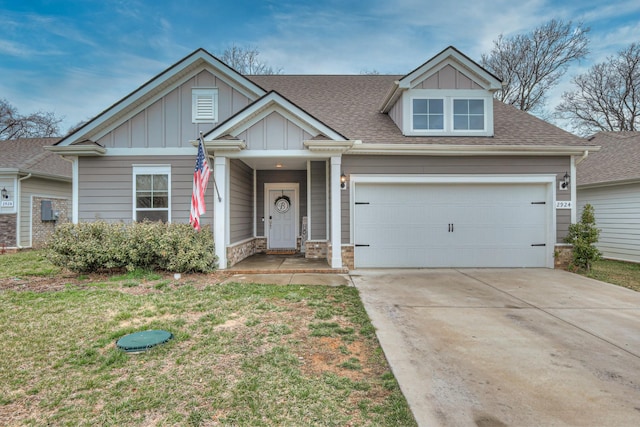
[{"x": 448, "y": 56}]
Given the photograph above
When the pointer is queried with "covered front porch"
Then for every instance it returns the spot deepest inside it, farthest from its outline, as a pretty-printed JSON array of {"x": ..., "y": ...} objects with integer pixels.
[{"x": 276, "y": 206}]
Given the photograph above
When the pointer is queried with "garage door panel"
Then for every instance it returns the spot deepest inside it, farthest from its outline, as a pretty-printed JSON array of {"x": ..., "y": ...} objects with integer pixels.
[{"x": 450, "y": 225}]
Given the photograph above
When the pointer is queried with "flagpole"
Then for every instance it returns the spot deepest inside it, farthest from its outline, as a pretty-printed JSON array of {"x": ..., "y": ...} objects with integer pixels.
[{"x": 215, "y": 184}]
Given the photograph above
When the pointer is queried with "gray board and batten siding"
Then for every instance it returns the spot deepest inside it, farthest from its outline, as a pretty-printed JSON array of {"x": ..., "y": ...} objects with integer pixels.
[
  {"x": 167, "y": 122},
  {"x": 434, "y": 165}
]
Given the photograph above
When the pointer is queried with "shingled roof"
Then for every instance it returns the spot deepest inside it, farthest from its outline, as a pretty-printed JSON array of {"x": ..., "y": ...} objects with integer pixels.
[
  {"x": 617, "y": 161},
  {"x": 350, "y": 105},
  {"x": 27, "y": 155}
]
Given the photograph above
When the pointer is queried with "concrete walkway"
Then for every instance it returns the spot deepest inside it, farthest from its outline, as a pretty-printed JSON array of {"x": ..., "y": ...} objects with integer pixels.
[{"x": 525, "y": 347}]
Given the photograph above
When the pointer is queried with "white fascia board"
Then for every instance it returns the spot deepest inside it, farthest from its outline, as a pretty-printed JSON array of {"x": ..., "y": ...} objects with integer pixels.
[
  {"x": 450, "y": 56},
  {"x": 630, "y": 181},
  {"x": 392, "y": 96},
  {"x": 277, "y": 154},
  {"x": 330, "y": 146},
  {"x": 147, "y": 152},
  {"x": 77, "y": 150},
  {"x": 164, "y": 83},
  {"x": 461, "y": 150},
  {"x": 273, "y": 102}
]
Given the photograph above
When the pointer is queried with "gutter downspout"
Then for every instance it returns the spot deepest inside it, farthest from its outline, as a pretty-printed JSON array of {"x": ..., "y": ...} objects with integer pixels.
[
  {"x": 574, "y": 192},
  {"x": 19, "y": 208}
]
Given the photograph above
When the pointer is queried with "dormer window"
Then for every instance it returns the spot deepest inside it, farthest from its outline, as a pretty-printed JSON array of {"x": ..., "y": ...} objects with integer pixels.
[
  {"x": 468, "y": 114},
  {"x": 428, "y": 114},
  {"x": 448, "y": 112}
]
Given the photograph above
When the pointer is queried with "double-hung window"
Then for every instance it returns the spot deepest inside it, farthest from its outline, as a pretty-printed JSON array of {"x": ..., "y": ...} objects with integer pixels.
[{"x": 151, "y": 193}]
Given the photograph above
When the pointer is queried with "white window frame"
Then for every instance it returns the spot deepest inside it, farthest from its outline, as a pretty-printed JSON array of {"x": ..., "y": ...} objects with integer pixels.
[
  {"x": 151, "y": 170},
  {"x": 206, "y": 96},
  {"x": 448, "y": 96},
  {"x": 444, "y": 114}
]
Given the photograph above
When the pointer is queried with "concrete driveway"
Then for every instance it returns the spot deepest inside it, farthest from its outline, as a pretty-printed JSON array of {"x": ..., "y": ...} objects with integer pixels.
[{"x": 516, "y": 347}]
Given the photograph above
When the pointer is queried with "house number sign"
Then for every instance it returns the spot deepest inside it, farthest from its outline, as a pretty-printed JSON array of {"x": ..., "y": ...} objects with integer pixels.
[
  {"x": 283, "y": 204},
  {"x": 564, "y": 204}
]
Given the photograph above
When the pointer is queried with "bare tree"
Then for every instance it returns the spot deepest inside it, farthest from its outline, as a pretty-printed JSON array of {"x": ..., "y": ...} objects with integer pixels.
[
  {"x": 607, "y": 97},
  {"x": 245, "y": 61},
  {"x": 13, "y": 125},
  {"x": 531, "y": 64}
]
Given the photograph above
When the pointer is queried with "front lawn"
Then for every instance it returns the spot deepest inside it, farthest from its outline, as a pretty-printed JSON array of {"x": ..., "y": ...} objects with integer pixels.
[
  {"x": 619, "y": 273},
  {"x": 242, "y": 354}
]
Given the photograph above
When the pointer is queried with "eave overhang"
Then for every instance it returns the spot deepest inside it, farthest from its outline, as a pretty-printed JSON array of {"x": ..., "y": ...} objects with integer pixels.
[
  {"x": 468, "y": 150},
  {"x": 329, "y": 146},
  {"x": 77, "y": 150}
]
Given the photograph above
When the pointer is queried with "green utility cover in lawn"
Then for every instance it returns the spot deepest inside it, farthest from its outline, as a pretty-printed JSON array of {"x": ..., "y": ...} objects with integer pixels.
[{"x": 142, "y": 341}]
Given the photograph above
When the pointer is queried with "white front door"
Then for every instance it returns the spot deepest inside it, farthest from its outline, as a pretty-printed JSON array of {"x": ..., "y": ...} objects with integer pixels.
[{"x": 281, "y": 222}]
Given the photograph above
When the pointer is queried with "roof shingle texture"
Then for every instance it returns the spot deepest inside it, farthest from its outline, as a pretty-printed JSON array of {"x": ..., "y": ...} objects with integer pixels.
[
  {"x": 617, "y": 160},
  {"x": 350, "y": 104},
  {"x": 28, "y": 155}
]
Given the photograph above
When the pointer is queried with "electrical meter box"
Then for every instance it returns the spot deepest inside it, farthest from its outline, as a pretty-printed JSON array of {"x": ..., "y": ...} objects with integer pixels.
[{"x": 46, "y": 211}]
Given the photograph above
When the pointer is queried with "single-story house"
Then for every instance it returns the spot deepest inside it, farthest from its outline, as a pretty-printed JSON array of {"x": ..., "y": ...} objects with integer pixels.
[
  {"x": 609, "y": 180},
  {"x": 421, "y": 170},
  {"x": 35, "y": 192}
]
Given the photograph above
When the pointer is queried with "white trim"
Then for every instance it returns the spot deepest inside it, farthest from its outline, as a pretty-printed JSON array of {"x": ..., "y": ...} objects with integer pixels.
[
  {"x": 255, "y": 203},
  {"x": 157, "y": 151},
  {"x": 336, "y": 208},
  {"x": 75, "y": 190},
  {"x": 288, "y": 186},
  {"x": 448, "y": 97},
  {"x": 463, "y": 150},
  {"x": 309, "y": 186},
  {"x": 574, "y": 192},
  {"x": 327, "y": 201},
  {"x": 137, "y": 169},
  {"x": 549, "y": 180},
  {"x": 159, "y": 86},
  {"x": 265, "y": 106},
  {"x": 220, "y": 211}
]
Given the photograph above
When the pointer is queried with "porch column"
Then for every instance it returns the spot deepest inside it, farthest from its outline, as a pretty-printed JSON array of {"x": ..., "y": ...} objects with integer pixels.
[
  {"x": 220, "y": 216},
  {"x": 336, "y": 227}
]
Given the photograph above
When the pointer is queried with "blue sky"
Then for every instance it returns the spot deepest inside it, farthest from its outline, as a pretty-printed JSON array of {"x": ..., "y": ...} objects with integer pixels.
[{"x": 76, "y": 58}]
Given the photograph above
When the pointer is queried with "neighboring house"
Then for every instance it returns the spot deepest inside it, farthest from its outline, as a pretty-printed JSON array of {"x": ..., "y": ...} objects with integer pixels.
[
  {"x": 35, "y": 192},
  {"x": 421, "y": 170},
  {"x": 609, "y": 180}
]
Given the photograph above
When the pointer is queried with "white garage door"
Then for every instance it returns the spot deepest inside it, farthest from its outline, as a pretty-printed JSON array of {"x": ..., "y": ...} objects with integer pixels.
[{"x": 451, "y": 225}]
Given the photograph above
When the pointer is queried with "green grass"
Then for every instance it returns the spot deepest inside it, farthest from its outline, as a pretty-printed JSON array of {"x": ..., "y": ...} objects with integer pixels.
[
  {"x": 619, "y": 273},
  {"x": 243, "y": 354},
  {"x": 26, "y": 263}
]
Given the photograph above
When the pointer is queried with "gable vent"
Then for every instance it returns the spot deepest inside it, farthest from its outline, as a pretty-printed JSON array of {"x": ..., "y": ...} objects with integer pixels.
[{"x": 205, "y": 105}]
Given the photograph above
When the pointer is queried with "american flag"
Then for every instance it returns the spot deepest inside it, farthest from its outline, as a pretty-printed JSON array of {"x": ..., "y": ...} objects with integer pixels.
[{"x": 200, "y": 180}]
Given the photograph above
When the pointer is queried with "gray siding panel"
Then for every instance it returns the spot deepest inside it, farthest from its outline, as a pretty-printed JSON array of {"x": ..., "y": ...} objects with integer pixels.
[
  {"x": 318, "y": 208},
  {"x": 274, "y": 132},
  {"x": 241, "y": 200},
  {"x": 425, "y": 165},
  {"x": 617, "y": 212},
  {"x": 106, "y": 188},
  {"x": 272, "y": 176}
]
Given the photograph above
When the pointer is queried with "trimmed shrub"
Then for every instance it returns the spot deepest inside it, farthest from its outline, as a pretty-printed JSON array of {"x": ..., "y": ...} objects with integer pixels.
[
  {"x": 583, "y": 235},
  {"x": 98, "y": 246}
]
